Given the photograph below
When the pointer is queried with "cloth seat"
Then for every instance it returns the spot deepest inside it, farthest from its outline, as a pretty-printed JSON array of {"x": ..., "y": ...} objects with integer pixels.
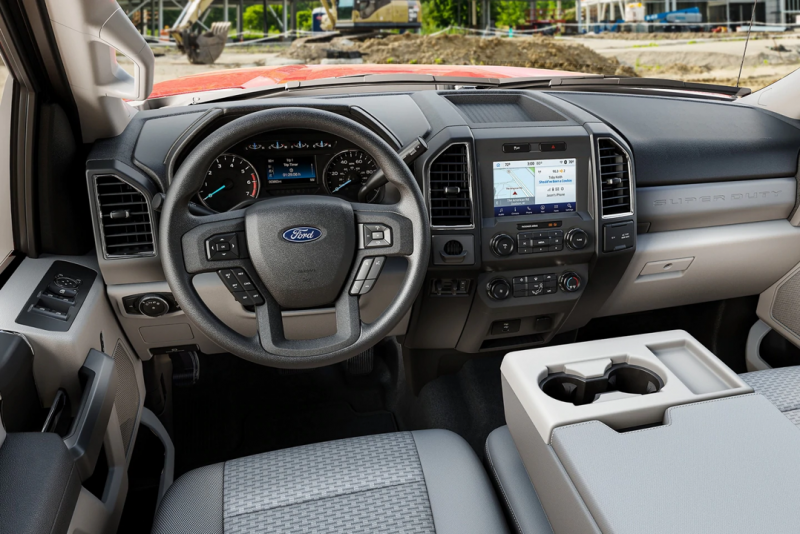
[
  {"x": 421, "y": 482},
  {"x": 780, "y": 386}
]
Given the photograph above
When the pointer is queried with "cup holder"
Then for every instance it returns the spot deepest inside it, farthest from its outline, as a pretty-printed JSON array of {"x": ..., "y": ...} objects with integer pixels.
[{"x": 622, "y": 377}]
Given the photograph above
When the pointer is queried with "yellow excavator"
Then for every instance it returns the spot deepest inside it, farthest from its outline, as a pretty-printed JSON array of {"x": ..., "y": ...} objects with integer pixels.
[
  {"x": 359, "y": 15},
  {"x": 202, "y": 47}
]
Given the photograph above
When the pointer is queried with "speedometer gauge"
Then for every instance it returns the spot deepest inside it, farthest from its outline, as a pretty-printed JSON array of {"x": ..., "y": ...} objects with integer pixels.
[
  {"x": 347, "y": 172},
  {"x": 230, "y": 181}
]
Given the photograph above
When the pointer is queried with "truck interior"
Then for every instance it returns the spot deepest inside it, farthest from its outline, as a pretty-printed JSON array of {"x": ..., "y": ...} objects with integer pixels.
[{"x": 390, "y": 303}]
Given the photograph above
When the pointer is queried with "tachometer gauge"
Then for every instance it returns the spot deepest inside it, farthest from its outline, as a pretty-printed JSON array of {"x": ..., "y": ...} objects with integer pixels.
[
  {"x": 347, "y": 171},
  {"x": 230, "y": 181}
]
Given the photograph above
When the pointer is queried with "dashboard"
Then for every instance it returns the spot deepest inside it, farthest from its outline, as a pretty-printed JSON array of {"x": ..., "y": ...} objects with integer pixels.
[
  {"x": 546, "y": 209},
  {"x": 287, "y": 163}
]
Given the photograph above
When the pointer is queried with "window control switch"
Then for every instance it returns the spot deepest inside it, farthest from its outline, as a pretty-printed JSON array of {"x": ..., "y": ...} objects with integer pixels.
[{"x": 49, "y": 312}]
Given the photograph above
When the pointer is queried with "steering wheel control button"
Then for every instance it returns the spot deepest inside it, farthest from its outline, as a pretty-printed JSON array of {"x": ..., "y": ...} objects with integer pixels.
[
  {"x": 153, "y": 306},
  {"x": 577, "y": 239},
  {"x": 244, "y": 280},
  {"x": 222, "y": 247},
  {"x": 502, "y": 245},
  {"x": 375, "y": 270},
  {"x": 243, "y": 298},
  {"x": 356, "y": 288},
  {"x": 570, "y": 282},
  {"x": 377, "y": 235},
  {"x": 618, "y": 236},
  {"x": 498, "y": 289},
  {"x": 363, "y": 270},
  {"x": 366, "y": 287},
  {"x": 367, "y": 274},
  {"x": 231, "y": 281},
  {"x": 255, "y": 298}
]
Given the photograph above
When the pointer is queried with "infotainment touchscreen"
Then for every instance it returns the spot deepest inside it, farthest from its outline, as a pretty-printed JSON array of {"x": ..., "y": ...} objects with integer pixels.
[
  {"x": 534, "y": 186},
  {"x": 291, "y": 169}
]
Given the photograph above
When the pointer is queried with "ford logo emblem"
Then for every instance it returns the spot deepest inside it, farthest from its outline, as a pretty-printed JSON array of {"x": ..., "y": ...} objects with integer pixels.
[{"x": 302, "y": 234}]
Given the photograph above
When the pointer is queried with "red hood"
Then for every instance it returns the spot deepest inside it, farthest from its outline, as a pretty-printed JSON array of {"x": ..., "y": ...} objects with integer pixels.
[{"x": 264, "y": 76}]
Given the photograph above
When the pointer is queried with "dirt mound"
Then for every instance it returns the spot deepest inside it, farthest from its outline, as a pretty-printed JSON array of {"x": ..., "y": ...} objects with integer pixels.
[{"x": 538, "y": 52}]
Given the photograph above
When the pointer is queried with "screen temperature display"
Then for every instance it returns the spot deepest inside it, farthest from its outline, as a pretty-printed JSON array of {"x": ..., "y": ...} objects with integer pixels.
[{"x": 534, "y": 186}]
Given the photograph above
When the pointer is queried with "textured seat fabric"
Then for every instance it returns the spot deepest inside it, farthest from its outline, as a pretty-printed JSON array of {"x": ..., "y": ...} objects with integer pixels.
[
  {"x": 781, "y": 386},
  {"x": 422, "y": 482},
  {"x": 516, "y": 490}
]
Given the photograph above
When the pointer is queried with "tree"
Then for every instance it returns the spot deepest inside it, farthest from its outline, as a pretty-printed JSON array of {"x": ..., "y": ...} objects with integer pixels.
[
  {"x": 510, "y": 13},
  {"x": 304, "y": 20},
  {"x": 443, "y": 13},
  {"x": 253, "y": 19}
]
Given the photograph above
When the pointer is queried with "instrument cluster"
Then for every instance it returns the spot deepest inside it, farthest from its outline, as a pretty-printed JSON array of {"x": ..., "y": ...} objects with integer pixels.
[{"x": 287, "y": 163}]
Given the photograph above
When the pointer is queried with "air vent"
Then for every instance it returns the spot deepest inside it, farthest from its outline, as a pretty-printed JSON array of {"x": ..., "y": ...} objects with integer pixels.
[
  {"x": 450, "y": 193},
  {"x": 125, "y": 224},
  {"x": 615, "y": 178}
]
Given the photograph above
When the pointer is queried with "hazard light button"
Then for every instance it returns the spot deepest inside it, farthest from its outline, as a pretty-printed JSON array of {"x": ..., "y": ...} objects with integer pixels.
[{"x": 552, "y": 147}]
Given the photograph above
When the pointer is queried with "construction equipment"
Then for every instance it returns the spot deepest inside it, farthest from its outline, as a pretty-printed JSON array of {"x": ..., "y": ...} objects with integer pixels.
[
  {"x": 202, "y": 46},
  {"x": 358, "y": 15}
]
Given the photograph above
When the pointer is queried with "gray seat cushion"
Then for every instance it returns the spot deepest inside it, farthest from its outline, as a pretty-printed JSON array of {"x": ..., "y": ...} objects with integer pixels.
[
  {"x": 519, "y": 497},
  {"x": 781, "y": 387},
  {"x": 419, "y": 482}
]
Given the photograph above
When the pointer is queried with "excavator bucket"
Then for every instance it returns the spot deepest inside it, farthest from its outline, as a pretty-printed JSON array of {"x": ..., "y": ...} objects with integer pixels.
[{"x": 204, "y": 48}]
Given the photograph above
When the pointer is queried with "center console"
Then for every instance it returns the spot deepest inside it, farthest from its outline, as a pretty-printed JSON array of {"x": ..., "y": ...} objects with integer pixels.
[
  {"x": 532, "y": 212},
  {"x": 649, "y": 433}
]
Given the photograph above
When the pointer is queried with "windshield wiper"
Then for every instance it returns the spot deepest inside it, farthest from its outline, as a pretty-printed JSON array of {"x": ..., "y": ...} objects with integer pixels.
[{"x": 607, "y": 83}]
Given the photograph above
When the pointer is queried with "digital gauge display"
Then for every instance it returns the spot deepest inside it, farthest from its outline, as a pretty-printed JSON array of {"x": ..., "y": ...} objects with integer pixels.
[{"x": 291, "y": 169}]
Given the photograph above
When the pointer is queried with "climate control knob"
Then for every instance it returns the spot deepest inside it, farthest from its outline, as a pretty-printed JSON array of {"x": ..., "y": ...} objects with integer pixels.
[
  {"x": 502, "y": 245},
  {"x": 569, "y": 282},
  {"x": 498, "y": 289},
  {"x": 576, "y": 239},
  {"x": 153, "y": 306}
]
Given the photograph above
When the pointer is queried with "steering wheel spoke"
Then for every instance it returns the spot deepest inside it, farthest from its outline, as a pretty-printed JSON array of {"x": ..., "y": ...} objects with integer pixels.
[{"x": 273, "y": 338}]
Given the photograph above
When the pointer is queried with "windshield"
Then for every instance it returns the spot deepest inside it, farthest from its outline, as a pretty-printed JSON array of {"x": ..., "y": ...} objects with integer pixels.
[{"x": 251, "y": 44}]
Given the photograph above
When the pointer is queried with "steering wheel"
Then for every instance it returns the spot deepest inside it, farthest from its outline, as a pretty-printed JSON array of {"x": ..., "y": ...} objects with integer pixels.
[{"x": 301, "y": 251}]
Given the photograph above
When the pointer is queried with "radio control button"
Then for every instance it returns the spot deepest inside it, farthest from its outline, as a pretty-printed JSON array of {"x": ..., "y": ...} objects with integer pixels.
[
  {"x": 576, "y": 239},
  {"x": 502, "y": 245}
]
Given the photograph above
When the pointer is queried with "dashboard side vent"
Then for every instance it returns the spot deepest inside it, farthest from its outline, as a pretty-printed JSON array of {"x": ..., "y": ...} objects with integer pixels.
[
  {"x": 449, "y": 188},
  {"x": 615, "y": 178},
  {"x": 125, "y": 225}
]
